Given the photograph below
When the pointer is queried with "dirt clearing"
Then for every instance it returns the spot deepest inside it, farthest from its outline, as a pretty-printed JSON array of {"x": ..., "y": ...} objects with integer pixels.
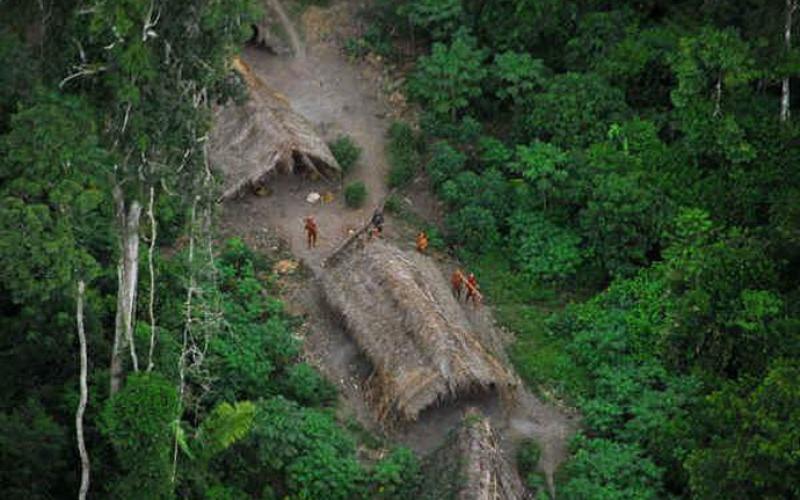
[{"x": 341, "y": 97}]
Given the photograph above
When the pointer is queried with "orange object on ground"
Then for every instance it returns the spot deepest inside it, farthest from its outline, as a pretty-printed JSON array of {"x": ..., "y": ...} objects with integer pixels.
[{"x": 311, "y": 231}]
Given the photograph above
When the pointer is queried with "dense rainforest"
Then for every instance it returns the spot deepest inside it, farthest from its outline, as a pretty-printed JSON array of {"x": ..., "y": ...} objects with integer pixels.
[{"x": 622, "y": 177}]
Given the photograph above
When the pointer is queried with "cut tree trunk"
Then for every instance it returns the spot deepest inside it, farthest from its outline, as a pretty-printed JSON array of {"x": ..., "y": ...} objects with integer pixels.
[{"x": 127, "y": 275}]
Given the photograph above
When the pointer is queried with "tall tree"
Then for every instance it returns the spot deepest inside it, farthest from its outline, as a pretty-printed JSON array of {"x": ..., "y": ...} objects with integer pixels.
[{"x": 791, "y": 6}]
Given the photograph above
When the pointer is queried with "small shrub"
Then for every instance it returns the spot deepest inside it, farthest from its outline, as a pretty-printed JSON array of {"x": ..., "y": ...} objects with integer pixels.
[
  {"x": 473, "y": 227},
  {"x": 543, "y": 250},
  {"x": 346, "y": 152},
  {"x": 528, "y": 455},
  {"x": 305, "y": 385},
  {"x": 396, "y": 476},
  {"x": 355, "y": 194},
  {"x": 394, "y": 205},
  {"x": 445, "y": 163}
]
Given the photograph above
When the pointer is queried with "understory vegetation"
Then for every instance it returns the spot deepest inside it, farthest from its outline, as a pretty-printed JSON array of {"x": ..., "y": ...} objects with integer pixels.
[{"x": 624, "y": 181}]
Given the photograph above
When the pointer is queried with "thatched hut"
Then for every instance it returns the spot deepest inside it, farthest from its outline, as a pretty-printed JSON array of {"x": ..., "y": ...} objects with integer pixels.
[
  {"x": 263, "y": 135},
  {"x": 399, "y": 309},
  {"x": 470, "y": 466}
]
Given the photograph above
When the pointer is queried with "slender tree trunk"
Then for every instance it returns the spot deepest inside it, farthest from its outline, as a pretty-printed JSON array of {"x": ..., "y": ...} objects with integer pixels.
[
  {"x": 151, "y": 305},
  {"x": 791, "y": 5},
  {"x": 186, "y": 330},
  {"x": 127, "y": 275},
  {"x": 84, "y": 397}
]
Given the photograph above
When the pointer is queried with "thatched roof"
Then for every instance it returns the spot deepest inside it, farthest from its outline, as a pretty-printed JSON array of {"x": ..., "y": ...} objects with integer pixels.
[
  {"x": 251, "y": 141},
  {"x": 399, "y": 309},
  {"x": 470, "y": 466}
]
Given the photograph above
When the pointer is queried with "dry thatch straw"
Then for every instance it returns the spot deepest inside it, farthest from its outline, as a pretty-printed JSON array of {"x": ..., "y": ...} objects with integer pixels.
[
  {"x": 251, "y": 141},
  {"x": 400, "y": 311},
  {"x": 470, "y": 466}
]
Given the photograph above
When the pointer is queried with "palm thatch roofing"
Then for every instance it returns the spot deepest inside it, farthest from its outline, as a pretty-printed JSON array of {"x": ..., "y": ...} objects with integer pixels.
[
  {"x": 470, "y": 466},
  {"x": 251, "y": 141},
  {"x": 400, "y": 311}
]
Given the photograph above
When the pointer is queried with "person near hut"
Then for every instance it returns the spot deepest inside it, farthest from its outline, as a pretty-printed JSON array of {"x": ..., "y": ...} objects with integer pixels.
[
  {"x": 457, "y": 283},
  {"x": 311, "y": 231},
  {"x": 473, "y": 293},
  {"x": 377, "y": 224},
  {"x": 422, "y": 242}
]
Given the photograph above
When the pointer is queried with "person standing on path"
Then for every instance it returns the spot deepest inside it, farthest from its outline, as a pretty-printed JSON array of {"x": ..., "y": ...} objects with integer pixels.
[
  {"x": 422, "y": 242},
  {"x": 457, "y": 283},
  {"x": 311, "y": 231}
]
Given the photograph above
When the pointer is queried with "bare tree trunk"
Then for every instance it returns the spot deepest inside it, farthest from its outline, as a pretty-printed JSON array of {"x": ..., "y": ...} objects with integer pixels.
[
  {"x": 127, "y": 275},
  {"x": 791, "y": 5},
  {"x": 151, "y": 306},
  {"x": 84, "y": 397}
]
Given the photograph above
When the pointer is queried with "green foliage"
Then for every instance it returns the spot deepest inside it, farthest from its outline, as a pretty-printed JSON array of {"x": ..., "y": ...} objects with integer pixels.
[
  {"x": 542, "y": 166},
  {"x": 603, "y": 469},
  {"x": 518, "y": 75},
  {"x": 53, "y": 195},
  {"x": 355, "y": 194},
  {"x": 305, "y": 385},
  {"x": 224, "y": 426},
  {"x": 623, "y": 221},
  {"x": 447, "y": 79},
  {"x": 438, "y": 19},
  {"x": 528, "y": 453},
  {"x": 373, "y": 40},
  {"x": 543, "y": 250},
  {"x": 722, "y": 285},
  {"x": 316, "y": 457},
  {"x": 346, "y": 152},
  {"x": 753, "y": 452},
  {"x": 717, "y": 64},
  {"x": 474, "y": 228},
  {"x": 445, "y": 163},
  {"x": 16, "y": 80},
  {"x": 34, "y": 450},
  {"x": 403, "y": 151},
  {"x": 494, "y": 153},
  {"x": 396, "y": 476},
  {"x": 574, "y": 110},
  {"x": 595, "y": 36},
  {"x": 137, "y": 421}
]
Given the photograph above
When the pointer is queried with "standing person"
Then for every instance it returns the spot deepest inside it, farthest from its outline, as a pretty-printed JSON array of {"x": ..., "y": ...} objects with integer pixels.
[
  {"x": 311, "y": 231},
  {"x": 377, "y": 223},
  {"x": 472, "y": 290},
  {"x": 457, "y": 283},
  {"x": 422, "y": 242}
]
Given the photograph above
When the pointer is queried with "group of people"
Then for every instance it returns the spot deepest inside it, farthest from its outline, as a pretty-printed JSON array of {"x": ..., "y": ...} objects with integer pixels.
[
  {"x": 468, "y": 283},
  {"x": 460, "y": 282}
]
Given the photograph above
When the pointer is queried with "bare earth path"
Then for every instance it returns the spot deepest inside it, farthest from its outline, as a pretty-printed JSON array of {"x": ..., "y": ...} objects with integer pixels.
[{"x": 339, "y": 97}]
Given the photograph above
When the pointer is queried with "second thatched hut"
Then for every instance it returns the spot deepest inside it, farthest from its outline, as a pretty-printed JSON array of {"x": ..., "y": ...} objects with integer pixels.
[{"x": 399, "y": 309}]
